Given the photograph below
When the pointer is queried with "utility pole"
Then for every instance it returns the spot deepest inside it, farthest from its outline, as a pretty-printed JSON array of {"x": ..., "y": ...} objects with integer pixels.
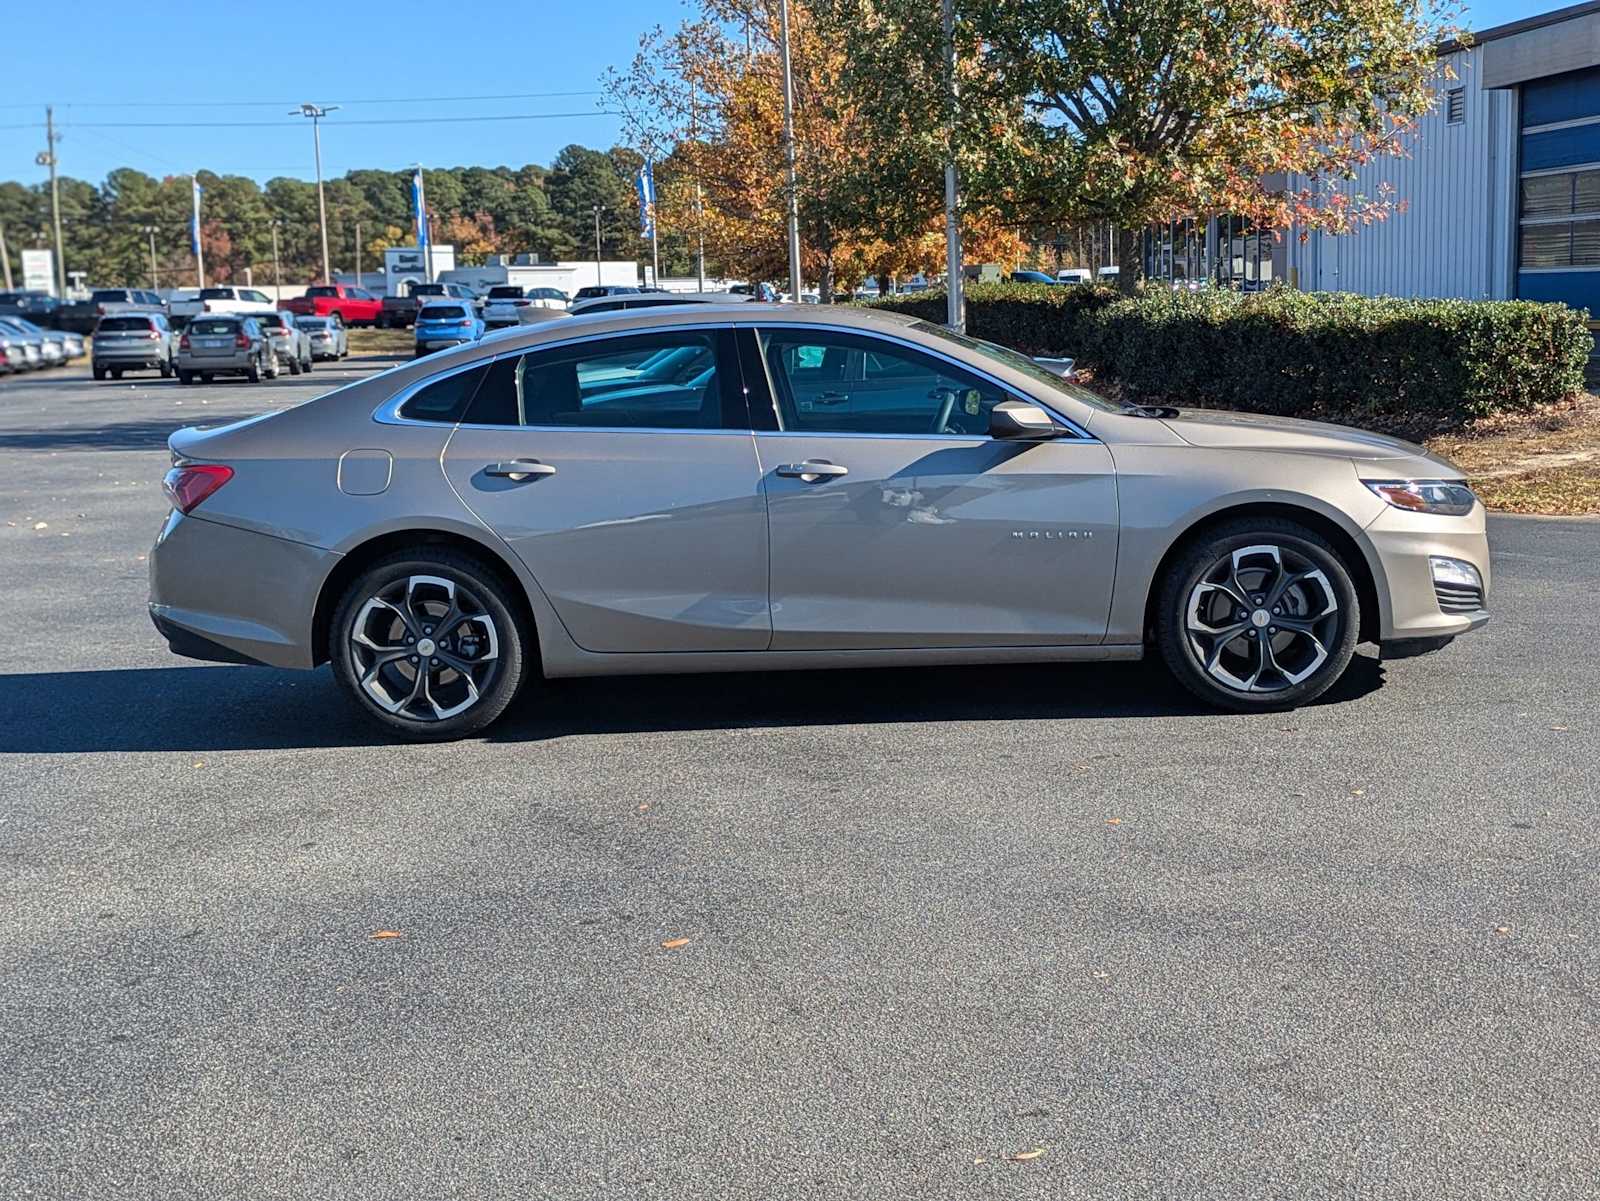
[
  {"x": 699, "y": 207},
  {"x": 955, "y": 301},
  {"x": 788, "y": 158},
  {"x": 47, "y": 158},
  {"x": 358, "y": 254},
  {"x": 5, "y": 257},
  {"x": 316, "y": 114},
  {"x": 598, "y": 277},
  {"x": 150, "y": 232},
  {"x": 277, "y": 275}
]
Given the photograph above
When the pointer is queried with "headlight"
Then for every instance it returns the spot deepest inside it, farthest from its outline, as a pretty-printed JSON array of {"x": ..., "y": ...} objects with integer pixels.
[{"x": 1447, "y": 498}]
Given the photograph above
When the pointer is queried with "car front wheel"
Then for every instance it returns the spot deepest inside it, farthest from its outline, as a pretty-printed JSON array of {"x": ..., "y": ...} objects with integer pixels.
[
  {"x": 1258, "y": 614},
  {"x": 429, "y": 644}
]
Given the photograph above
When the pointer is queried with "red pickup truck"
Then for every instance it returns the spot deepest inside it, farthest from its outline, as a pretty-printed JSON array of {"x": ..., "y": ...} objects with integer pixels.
[{"x": 355, "y": 306}]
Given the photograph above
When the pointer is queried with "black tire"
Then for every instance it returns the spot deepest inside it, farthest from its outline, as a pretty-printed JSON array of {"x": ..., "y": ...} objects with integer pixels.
[
  {"x": 166, "y": 368},
  {"x": 1201, "y": 574},
  {"x": 254, "y": 374},
  {"x": 503, "y": 675},
  {"x": 294, "y": 366},
  {"x": 99, "y": 372},
  {"x": 205, "y": 377},
  {"x": 116, "y": 373},
  {"x": 185, "y": 377},
  {"x": 305, "y": 364}
]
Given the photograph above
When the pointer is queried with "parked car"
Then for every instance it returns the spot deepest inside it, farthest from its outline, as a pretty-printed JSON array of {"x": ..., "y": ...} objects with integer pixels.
[
  {"x": 506, "y": 304},
  {"x": 400, "y": 312},
  {"x": 655, "y": 300},
  {"x": 326, "y": 335},
  {"x": 225, "y": 344},
  {"x": 1031, "y": 277},
  {"x": 355, "y": 306},
  {"x": 290, "y": 343},
  {"x": 39, "y": 307},
  {"x": 757, "y": 291},
  {"x": 218, "y": 300},
  {"x": 1074, "y": 275},
  {"x": 132, "y": 342},
  {"x": 566, "y": 500},
  {"x": 57, "y": 346},
  {"x": 22, "y": 352},
  {"x": 595, "y": 291},
  {"x": 37, "y": 350},
  {"x": 443, "y": 324},
  {"x": 81, "y": 316}
]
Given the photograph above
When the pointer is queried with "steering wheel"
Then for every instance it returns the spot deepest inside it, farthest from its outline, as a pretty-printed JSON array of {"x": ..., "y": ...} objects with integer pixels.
[{"x": 947, "y": 406}]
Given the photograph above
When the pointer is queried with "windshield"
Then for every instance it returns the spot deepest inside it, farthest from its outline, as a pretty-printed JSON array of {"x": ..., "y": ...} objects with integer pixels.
[
  {"x": 270, "y": 320},
  {"x": 212, "y": 325},
  {"x": 505, "y": 292},
  {"x": 112, "y": 294},
  {"x": 1020, "y": 362},
  {"x": 216, "y": 293}
]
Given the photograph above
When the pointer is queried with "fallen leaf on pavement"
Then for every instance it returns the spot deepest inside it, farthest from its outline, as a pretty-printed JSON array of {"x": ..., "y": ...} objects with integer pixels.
[
  {"x": 672, "y": 944},
  {"x": 644, "y": 806},
  {"x": 41, "y": 525},
  {"x": 1113, "y": 821},
  {"x": 1558, "y": 727},
  {"x": 979, "y": 1160},
  {"x": 1502, "y": 929},
  {"x": 1024, "y": 1156},
  {"x": 386, "y": 934}
]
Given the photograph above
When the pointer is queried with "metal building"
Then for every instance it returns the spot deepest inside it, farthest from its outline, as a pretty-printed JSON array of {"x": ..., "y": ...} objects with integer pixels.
[{"x": 1501, "y": 187}]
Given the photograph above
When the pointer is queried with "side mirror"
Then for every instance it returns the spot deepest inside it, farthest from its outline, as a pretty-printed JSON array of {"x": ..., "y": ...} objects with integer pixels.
[
  {"x": 1017, "y": 419},
  {"x": 1061, "y": 367}
]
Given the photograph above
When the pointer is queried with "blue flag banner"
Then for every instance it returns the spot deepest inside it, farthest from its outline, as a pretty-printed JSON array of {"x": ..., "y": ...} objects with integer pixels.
[
  {"x": 646, "y": 183},
  {"x": 419, "y": 211}
]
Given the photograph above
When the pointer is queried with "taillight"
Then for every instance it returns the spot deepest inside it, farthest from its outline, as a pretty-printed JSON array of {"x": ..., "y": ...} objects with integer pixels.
[
  {"x": 242, "y": 341},
  {"x": 152, "y": 335},
  {"x": 187, "y": 486},
  {"x": 183, "y": 342}
]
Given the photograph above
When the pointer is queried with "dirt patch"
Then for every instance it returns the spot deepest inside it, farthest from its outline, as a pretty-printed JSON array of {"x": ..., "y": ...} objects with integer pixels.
[{"x": 1547, "y": 461}]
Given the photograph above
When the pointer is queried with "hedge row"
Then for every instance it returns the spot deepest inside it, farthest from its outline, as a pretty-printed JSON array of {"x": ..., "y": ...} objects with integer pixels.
[{"x": 1289, "y": 352}]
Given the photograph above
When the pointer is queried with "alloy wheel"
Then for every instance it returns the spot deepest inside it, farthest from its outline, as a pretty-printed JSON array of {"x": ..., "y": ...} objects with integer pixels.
[
  {"x": 424, "y": 648},
  {"x": 1262, "y": 619}
]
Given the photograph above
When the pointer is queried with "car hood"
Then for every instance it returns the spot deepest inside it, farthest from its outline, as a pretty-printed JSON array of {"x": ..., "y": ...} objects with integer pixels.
[{"x": 1255, "y": 431}]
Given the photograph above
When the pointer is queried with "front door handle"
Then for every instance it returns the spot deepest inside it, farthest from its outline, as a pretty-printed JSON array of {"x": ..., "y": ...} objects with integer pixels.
[
  {"x": 519, "y": 469},
  {"x": 831, "y": 398},
  {"x": 812, "y": 470}
]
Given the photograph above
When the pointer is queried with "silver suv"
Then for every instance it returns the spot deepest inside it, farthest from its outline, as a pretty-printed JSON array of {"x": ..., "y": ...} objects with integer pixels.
[
  {"x": 132, "y": 342},
  {"x": 291, "y": 343},
  {"x": 225, "y": 345}
]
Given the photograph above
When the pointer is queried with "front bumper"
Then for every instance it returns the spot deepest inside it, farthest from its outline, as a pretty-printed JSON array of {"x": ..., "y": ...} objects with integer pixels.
[
  {"x": 229, "y": 595},
  {"x": 1410, "y": 606}
]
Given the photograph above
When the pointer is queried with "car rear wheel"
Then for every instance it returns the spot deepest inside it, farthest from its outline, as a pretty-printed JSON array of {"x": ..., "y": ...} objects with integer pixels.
[
  {"x": 429, "y": 644},
  {"x": 166, "y": 368},
  {"x": 254, "y": 374},
  {"x": 294, "y": 366},
  {"x": 1258, "y": 614},
  {"x": 99, "y": 372}
]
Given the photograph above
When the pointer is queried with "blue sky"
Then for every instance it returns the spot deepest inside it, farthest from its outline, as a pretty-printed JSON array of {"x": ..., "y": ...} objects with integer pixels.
[{"x": 105, "y": 62}]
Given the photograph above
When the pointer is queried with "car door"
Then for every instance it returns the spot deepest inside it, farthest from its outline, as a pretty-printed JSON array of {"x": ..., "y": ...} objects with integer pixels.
[
  {"x": 630, "y": 491},
  {"x": 896, "y": 521}
]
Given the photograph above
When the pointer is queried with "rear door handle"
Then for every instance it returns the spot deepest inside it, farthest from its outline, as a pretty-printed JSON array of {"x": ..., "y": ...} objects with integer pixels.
[
  {"x": 812, "y": 470},
  {"x": 519, "y": 469},
  {"x": 831, "y": 398}
]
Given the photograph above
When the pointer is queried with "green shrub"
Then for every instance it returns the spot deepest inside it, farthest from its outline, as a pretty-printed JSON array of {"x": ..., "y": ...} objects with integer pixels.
[{"x": 1288, "y": 352}]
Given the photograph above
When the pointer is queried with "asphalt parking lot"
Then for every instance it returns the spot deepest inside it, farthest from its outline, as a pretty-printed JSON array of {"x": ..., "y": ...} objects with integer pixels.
[{"x": 1042, "y": 932}]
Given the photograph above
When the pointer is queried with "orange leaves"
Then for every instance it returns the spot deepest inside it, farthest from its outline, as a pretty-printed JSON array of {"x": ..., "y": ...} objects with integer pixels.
[
  {"x": 386, "y": 934},
  {"x": 673, "y": 944}
]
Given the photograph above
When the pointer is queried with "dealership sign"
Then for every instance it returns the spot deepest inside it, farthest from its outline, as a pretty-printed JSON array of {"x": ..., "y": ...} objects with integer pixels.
[{"x": 39, "y": 271}]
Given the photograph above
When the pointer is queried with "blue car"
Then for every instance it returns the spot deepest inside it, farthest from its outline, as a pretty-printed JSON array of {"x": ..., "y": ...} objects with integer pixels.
[{"x": 446, "y": 324}]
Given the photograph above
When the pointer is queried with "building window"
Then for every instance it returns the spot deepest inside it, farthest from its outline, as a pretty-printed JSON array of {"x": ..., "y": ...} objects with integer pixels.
[
  {"x": 1455, "y": 106},
  {"x": 1547, "y": 240}
]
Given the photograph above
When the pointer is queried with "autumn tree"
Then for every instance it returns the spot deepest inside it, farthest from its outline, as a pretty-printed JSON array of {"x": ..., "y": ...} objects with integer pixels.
[{"x": 1137, "y": 111}]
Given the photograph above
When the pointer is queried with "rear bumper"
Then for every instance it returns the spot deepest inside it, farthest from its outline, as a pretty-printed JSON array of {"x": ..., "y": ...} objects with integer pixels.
[
  {"x": 143, "y": 357},
  {"x": 222, "y": 364},
  {"x": 235, "y": 596},
  {"x": 1409, "y": 603}
]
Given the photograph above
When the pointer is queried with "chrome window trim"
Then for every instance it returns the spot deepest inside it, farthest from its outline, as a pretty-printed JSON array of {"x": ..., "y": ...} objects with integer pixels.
[
  {"x": 1078, "y": 430},
  {"x": 388, "y": 412}
]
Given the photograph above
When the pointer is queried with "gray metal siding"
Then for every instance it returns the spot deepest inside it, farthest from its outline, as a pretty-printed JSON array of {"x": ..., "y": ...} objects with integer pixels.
[{"x": 1455, "y": 238}]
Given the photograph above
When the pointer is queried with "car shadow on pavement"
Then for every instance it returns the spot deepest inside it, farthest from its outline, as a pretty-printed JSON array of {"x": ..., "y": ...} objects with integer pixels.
[{"x": 248, "y": 708}]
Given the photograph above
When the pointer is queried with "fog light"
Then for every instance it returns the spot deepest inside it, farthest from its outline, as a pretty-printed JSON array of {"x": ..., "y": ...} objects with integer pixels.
[{"x": 1456, "y": 572}]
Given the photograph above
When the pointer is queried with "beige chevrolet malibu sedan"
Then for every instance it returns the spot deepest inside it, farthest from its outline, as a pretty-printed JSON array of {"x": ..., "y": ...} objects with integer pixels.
[{"x": 755, "y": 487}]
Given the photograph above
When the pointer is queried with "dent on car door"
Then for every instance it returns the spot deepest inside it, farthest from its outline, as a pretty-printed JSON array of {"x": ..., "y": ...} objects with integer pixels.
[
  {"x": 631, "y": 492},
  {"x": 896, "y": 521}
]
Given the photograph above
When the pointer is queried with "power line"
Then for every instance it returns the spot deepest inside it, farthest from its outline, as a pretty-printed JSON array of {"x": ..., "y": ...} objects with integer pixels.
[
  {"x": 340, "y": 124},
  {"x": 281, "y": 103}
]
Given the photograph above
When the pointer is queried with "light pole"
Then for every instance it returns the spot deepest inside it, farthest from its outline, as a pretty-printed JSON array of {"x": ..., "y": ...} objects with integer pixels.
[
  {"x": 5, "y": 256},
  {"x": 277, "y": 275},
  {"x": 47, "y": 158},
  {"x": 955, "y": 302},
  {"x": 316, "y": 114},
  {"x": 358, "y": 255},
  {"x": 788, "y": 156},
  {"x": 598, "y": 273},
  {"x": 150, "y": 232}
]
